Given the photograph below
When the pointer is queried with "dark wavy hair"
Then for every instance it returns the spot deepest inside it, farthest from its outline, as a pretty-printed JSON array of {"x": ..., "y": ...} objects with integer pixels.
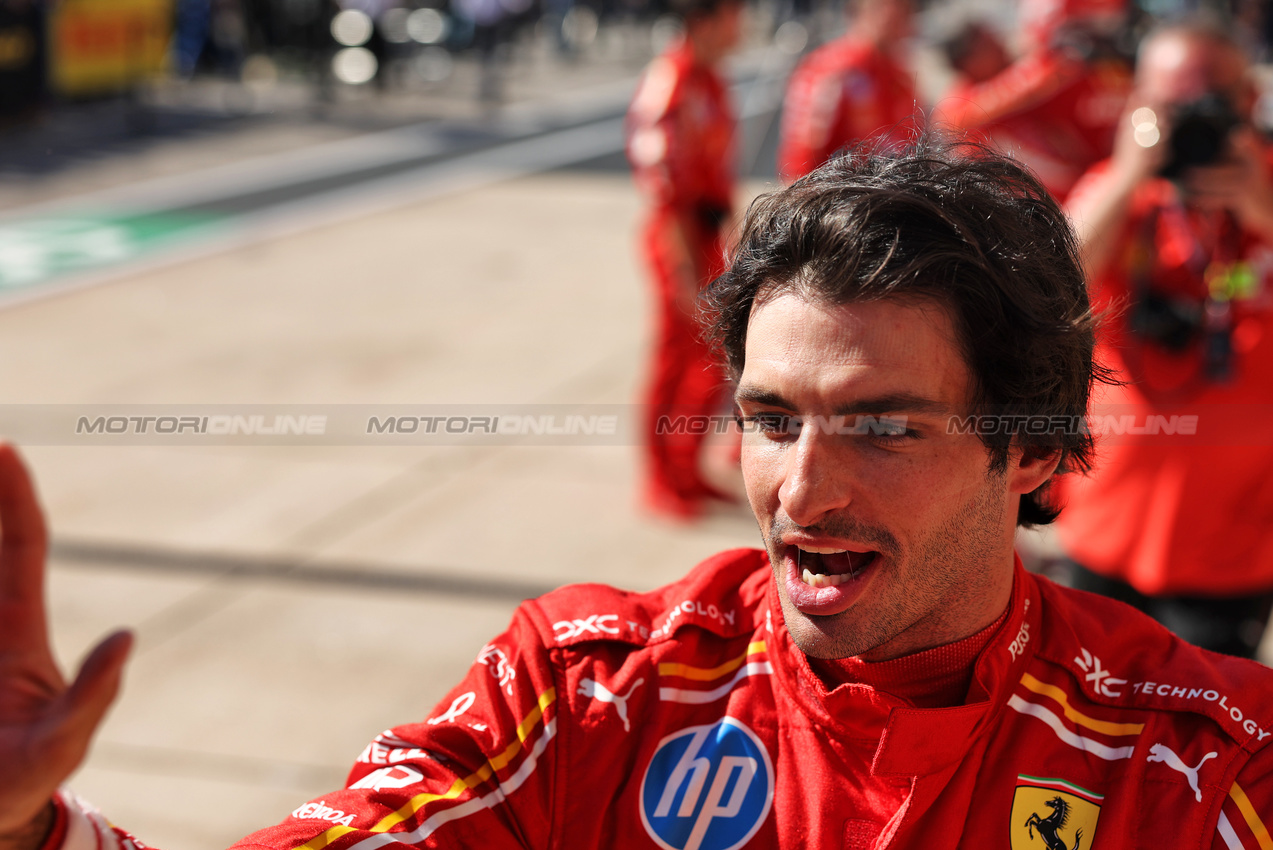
[{"x": 962, "y": 225}]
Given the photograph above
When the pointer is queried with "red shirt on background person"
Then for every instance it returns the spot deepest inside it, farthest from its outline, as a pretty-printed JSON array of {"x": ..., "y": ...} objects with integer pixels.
[
  {"x": 850, "y": 90},
  {"x": 1057, "y": 107},
  {"x": 1178, "y": 516}
]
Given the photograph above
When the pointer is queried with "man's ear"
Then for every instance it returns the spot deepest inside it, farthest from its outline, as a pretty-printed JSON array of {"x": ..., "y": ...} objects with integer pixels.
[{"x": 1030, "y": 467}]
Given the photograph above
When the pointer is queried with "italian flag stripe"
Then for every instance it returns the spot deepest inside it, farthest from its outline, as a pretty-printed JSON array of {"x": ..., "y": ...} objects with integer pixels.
[{"x": 1061, "y": 783}]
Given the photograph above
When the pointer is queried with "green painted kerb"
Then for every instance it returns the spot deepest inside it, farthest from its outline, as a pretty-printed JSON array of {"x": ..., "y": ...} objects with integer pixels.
[{"x": 37, "y": 251}]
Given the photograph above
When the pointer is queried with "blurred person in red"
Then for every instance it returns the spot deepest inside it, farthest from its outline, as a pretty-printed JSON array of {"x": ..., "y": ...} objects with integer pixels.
[
  {"x": 1057, "y": 107},
  {"x": 680, "y": 142},
  {"x": 977, "y": 54},
  {"x": 850, "y": 90},
  {"x": 1177, "y": 235}
]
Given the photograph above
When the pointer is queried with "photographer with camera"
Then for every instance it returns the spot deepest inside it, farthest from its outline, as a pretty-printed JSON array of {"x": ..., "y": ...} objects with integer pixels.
[{"x": 1176, "y": 231}]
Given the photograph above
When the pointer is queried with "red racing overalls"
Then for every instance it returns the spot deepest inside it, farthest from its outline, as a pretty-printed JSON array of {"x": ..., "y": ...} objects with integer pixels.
[
  {"x": 680, "y": 133},
  {"x": 1056, "y": 114},
  {"x": 844, "y": 92},
  {"x": 686, "y": 718}
]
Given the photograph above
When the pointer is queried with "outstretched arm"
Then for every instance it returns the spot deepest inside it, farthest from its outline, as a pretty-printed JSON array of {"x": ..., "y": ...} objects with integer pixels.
[
  {"x": 1023, "y": 85},
  {"x": 1100, "y": 204},
  {"x": 45, "y": 724}
]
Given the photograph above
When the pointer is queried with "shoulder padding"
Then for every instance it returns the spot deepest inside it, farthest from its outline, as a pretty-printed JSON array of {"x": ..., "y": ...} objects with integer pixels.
[
  {"x": 1120, "y": 657},
  {"x": 722, "y": 595}
]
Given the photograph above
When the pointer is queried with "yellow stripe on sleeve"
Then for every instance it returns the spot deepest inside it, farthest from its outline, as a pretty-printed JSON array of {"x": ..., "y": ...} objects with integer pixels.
[
  {"x": 324, "y": 838},
  {"x": 419, "y": 801},
  {"x": 1075, "y": 716},
  {"x": 1253, "y": 821},
  {"x": 707, "y": 674}
]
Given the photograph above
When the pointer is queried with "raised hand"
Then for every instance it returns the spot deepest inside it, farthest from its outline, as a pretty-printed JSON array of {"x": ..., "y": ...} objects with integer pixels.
[
  {"x": 1241, "y": 183},
  {"x": 1100, "y": 204},
  {"x": 45, "y": 725}
]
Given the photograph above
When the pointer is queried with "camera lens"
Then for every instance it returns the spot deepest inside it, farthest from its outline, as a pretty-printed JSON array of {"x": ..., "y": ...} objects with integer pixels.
[{"x": 1200, "y": 130}]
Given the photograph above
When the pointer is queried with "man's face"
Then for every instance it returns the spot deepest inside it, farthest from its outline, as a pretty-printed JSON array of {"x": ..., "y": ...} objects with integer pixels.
[
  {"x": 731, "y": 25},
  {"x": 892, "y": 18},
  {"x": 719, "y": 32},
  {"x": 1177, "y": 68},
  {"x": 906, "y": 535}
]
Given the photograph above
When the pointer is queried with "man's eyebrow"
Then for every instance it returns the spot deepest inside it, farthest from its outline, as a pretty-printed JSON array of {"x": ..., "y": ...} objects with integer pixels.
[
  {"x": 755, "y": 395},
  {"x": 908, "y": 403}
]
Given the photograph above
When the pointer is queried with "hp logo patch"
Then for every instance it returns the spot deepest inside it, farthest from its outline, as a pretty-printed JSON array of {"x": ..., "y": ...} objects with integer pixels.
[{"x": 707, "y": 788}]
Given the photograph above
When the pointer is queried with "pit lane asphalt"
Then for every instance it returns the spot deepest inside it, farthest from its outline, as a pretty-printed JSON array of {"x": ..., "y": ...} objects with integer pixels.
[{"x": 89, "y": 239}]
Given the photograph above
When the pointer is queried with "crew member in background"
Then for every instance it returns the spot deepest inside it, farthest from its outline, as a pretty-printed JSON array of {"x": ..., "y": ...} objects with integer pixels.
[
  {"x": 850, "y": 90},
  {"x": 1177, "y": 236},
  {"x": 680, "y": 142},
  {"x": 1057, "y": 107},
  {"x": 977, "y": 55}
]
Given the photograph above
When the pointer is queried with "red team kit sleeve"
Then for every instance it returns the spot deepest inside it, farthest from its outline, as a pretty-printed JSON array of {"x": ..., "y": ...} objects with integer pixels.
[{"x": 477, "y": 772}]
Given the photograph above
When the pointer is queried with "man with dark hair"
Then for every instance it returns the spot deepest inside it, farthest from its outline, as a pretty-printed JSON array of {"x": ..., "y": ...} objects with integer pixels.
[
  {"x": 1028, "y": 347},
  {"x": 913, "y": 346},
  {"x": 976, "y": 53}
]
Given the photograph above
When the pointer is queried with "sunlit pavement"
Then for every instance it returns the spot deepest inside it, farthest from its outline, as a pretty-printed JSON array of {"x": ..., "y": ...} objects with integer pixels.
[{"x": 293, "y": 601}]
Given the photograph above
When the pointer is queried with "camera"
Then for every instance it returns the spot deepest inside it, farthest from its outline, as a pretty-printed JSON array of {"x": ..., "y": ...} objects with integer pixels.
[
  {"x": 1199, "y": 133},
  {"x": 1176, "y": 324},
  {"x": 1173, "y": 323}
]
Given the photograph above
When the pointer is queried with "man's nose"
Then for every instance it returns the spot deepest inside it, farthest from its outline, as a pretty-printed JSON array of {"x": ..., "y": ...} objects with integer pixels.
[{"x": 815, "y": 481}]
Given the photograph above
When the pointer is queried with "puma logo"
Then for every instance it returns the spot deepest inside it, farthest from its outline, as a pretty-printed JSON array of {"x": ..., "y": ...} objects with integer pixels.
[
  {"x": 595, "y": 690},
  {"x": 1164, "y": 754}
]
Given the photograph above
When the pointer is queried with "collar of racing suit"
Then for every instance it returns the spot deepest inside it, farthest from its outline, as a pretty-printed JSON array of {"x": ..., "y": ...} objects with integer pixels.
[
  {"x": 911, "y": 741},
  {"x": 935, "y": 678}
]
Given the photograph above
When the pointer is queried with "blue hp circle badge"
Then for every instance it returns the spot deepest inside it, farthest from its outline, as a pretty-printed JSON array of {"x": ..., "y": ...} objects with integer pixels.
[{"x": 707, "y": 788}]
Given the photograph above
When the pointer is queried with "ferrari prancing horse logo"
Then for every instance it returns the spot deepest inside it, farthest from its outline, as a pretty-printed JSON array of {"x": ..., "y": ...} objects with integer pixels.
[{"x": 1052, "y": 814}]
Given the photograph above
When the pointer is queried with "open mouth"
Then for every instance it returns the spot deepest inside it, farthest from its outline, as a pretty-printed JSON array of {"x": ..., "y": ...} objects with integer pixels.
[{"x": 831, "y": 567}]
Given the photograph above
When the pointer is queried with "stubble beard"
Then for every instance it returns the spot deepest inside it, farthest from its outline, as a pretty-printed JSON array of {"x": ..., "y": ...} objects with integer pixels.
[{"x": 895, "y": 619}]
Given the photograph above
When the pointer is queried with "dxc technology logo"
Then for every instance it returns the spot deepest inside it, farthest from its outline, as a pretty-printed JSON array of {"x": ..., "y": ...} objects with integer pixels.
[{"x": 707, "y": 788}]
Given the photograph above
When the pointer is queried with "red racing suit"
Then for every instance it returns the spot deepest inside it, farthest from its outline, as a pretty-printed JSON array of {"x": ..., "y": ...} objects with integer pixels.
[
  {"x": 680, "y": 136},
  {"x": 844, "y": 92},
  {"x": 685, "y": 718},
  {"x": 1054, "y": 113}
]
